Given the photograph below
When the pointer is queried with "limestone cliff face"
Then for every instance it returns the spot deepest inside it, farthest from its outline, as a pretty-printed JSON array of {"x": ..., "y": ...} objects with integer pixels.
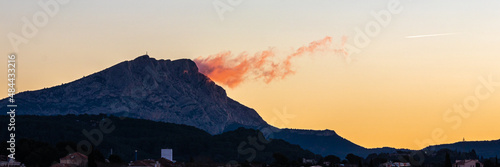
[{"x": 146, "y": 88}]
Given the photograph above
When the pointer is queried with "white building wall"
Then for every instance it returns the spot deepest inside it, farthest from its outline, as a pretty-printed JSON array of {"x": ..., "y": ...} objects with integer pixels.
[{"x": 167, "y": 154}]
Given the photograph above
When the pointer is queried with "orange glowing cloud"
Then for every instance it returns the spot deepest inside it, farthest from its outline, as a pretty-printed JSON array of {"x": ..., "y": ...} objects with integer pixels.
[{"x": 230, "y": 70}]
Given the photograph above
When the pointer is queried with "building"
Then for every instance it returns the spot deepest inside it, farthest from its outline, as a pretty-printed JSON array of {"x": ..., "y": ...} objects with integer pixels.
[
  {"x": 348, "y": 165},
  {"x": 167, "y": 154},
  {"x": 395, "y": 164},
  {"x": 308, "y": 161},
  {"x": 75, "y": 159},
  {"x": 144, "y": 163},
  {"x": 11, "y": 163},
  {"x": 468, "y": 163},
  {"x": 61, "y": 165}
]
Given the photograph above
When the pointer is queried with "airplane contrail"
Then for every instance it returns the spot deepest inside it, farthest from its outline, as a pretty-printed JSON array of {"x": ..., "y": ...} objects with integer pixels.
[{"x": 429, "y": 35}]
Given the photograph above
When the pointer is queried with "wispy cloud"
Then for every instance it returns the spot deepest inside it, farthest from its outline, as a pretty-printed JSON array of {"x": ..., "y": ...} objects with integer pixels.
[{"x": 231, "y": 69}]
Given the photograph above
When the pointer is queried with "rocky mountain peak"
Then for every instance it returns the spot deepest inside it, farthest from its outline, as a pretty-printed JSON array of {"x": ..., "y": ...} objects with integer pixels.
[{"x": 145, "y": 88}]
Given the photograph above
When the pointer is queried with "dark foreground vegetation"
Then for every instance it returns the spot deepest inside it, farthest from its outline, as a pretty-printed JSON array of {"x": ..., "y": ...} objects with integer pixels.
[{"x": 43, "y": 140}]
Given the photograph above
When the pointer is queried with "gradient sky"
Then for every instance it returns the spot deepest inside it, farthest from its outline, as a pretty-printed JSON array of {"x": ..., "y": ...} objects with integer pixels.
[{"x": 395, "y": 93}]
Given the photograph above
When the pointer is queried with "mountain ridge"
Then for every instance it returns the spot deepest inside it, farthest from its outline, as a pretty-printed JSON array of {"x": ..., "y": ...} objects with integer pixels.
[
  {"x": 486, "y": 148},
  {"x": 145, "y": 88},
  {"x": 175, "y": 92},
  {"x": 166, "y": 91}
]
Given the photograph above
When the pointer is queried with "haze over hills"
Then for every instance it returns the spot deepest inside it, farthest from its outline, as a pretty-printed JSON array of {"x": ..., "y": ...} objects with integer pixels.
[{"x": 174, "y": 92}]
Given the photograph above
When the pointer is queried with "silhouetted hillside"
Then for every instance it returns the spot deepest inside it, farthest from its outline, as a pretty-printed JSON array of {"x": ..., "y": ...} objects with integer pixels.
[
  {"x": 148, "y": 137},
  {"x": 482, "y": 148}
]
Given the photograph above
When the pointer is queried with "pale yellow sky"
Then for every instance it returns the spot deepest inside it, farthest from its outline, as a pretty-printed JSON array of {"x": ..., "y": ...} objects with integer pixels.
[{"x": 395, "y": 93}]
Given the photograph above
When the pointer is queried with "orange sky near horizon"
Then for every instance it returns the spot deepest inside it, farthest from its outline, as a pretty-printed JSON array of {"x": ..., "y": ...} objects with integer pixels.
[{"x": 396, "y": 92}]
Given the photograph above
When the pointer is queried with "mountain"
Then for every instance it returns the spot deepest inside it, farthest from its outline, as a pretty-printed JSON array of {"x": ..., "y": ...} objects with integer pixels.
[
  {"x": 328, "y": 142},
  {"x": 166, "y": 91},
  {"x": 482, "y": 148},
  {"x": 324, "y": 142},
  {"x": 174, "y": 92},
  {"x": 145, "y": 88}
]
